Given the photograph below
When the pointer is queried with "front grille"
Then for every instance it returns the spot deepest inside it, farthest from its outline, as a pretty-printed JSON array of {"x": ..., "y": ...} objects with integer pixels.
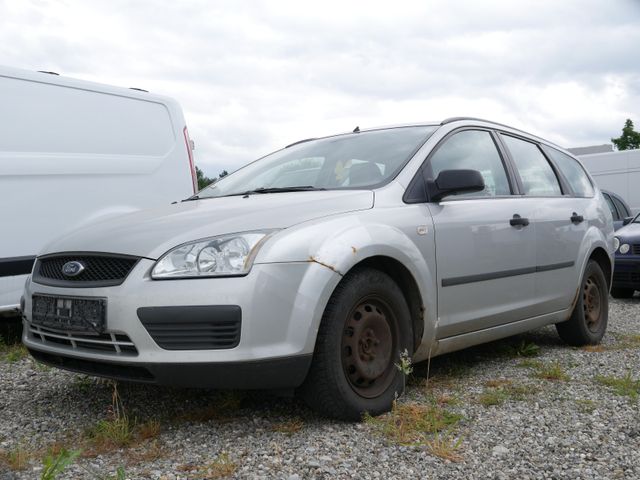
[
  {"x": 626, "y": 277},
  {"x": 111, "y": 343},
  {"x": 100, "y": 270},
  {"x": 635, "y": 249}
]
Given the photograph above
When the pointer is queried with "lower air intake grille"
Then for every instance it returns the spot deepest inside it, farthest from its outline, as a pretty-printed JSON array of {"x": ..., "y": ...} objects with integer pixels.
[
  {"x": 201, "y": 327},
  {"x": 111, "y": 343}
]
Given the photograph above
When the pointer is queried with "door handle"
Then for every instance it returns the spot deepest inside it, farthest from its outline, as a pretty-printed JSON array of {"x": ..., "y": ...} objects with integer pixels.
[
  {"x": 518, "y": 221},
  {"x": 575, "y": 218}
]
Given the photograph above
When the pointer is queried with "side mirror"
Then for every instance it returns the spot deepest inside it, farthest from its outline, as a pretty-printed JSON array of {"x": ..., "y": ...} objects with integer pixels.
[
  {"x": 452, "y": 182},
  {"x": 627, "y": 220}
]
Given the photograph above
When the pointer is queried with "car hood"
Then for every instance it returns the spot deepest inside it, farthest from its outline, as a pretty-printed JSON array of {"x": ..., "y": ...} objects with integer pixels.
[
  {"x": 150, "y": 233},
  {"x": 629, "y": 232}
]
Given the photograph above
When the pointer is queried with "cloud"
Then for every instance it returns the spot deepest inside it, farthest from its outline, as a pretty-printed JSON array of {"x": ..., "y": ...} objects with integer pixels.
[{"x": 255, "y": 76}]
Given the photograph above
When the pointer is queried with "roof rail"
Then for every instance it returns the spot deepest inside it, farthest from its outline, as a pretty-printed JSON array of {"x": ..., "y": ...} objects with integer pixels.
[
  {"x": 49, "y": 73},
  {"x": 300, "y": 141},
  {"x": 455, "y": 119},
  {"x": 139, "y": 89}
]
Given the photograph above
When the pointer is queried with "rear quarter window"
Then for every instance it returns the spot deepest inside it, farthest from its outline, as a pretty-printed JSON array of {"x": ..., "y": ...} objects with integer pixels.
[{"x": 572, "y": 171}]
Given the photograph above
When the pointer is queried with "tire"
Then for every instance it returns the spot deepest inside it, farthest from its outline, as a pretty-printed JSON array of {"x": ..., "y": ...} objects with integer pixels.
[
  {"x": 588, "y": 321},
  {"x": 617, "y": 292},
  {"x": 365, "y": 327}
]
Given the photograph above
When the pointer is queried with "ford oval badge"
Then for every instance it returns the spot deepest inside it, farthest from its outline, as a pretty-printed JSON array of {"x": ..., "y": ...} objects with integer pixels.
[{"x": 72, "y": 269}]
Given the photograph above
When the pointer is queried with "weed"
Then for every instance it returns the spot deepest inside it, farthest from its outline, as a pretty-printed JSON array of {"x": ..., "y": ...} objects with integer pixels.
[
  {"x": 410, "y": 423},
  {"x": 526, "y": 349},
  {"x": 552, "y": 371},
  {"x": 221, "y": 467},
  {"x": 494, "y": 396},
  {"x": 445, "y": 446},
  {"x": 13, "y": 353},
  {"x": 83, "y": 383},
  {"x": 529, "y": 363},
  {"x": 502, "y": 390},
  {"x": 628, "y": 341},
  {"x": 586, "y": 405},
  {"x": 289, "y": 427},
  {"x": 117, "y": 430},
  {"x": 55, "y": 465},
  {"x": 404, "y": 365},
  {"x": 624, "y": 386},
  {"x": 16, "y": 458},
  {"x": 148, "y": 430},
  {"x": 593, "y": 348}
]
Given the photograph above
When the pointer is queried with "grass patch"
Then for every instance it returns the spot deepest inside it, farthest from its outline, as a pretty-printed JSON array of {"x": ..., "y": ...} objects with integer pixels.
[
  {"x": 593, "y": 348},
  {"x": 623, "y": 386},
  {"x": 221, "y": 467},
  {"x": 586, "y": 405},
  {"x": 523, "y": 349},
  {"x": 412, "y": 423},
  {"x": 446, "y": 446},
  {"x": 546, "y": 371},
  {"x": 628, "y": 341},
  {"x": 501, "y": 390},
  {"x": 289, "y": 427},
  {"x": 148, "y": 430},
  {"x": 12, "y": 353},
  {"x": 54, "y": 465},
  {"x": 16, "y": 459},
  {"x": 225, "y": 407}
]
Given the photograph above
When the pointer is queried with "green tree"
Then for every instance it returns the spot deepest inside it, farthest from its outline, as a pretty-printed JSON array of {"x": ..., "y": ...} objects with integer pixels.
[
  {"x": 203, "y": 180},
  {"x": 223, "y": 173},
  {"x": 629, "y": 138}
]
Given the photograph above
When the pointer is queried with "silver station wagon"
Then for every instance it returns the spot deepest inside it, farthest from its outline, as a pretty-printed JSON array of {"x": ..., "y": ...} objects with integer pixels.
[{"x": 315, "y": 268}]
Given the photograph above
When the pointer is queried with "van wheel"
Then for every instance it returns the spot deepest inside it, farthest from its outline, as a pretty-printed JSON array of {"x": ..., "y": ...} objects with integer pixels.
[
  {"x": 622, "y": 292},
  {"x": 588, "y": 322},
  {"x": 364, "y": 329}
]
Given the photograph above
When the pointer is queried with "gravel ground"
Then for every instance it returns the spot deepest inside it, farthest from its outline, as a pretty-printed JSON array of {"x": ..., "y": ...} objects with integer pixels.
[{"x": 574, "y": 427}]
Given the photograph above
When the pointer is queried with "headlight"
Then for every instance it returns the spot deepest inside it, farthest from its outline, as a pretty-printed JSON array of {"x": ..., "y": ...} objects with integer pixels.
[
  {"x": 216, "y": 256},
  {"x": 616, "y": 244},
  {"x": 624, "y": 248}
]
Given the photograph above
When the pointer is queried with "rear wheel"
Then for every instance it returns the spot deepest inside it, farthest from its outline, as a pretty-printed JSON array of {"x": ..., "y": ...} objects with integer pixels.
[
  {"x": 588, "y": 322},
  {"x": 364, "y": 329},
  {"x": 617, "y": 292}
]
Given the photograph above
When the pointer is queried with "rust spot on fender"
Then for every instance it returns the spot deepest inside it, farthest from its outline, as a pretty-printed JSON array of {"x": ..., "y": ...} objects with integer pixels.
[
  {"x": 354, "y": 249},
  {"x": 330, "y": 267}
]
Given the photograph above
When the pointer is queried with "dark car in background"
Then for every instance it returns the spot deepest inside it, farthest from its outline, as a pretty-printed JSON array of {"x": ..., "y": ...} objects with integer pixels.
[
  {"x": 620, "y": 211},
  {"x": 626, "y": 276}
]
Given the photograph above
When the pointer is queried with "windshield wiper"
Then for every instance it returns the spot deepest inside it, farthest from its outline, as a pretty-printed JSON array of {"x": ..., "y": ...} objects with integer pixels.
[{"x": 298, "y": 188}]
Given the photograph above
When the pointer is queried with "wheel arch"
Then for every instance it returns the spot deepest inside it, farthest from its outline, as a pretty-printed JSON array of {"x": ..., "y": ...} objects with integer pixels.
[
  {"x": 409, "y": 286},
  {"x": 601, "y": 257}
]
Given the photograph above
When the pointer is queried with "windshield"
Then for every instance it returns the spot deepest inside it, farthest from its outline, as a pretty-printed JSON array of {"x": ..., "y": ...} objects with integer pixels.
[{"x": 356, "y": 160}]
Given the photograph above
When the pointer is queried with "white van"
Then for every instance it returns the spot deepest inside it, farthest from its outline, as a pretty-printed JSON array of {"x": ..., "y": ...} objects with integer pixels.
[
  {"x": 618, "y": 172},
  {"x": 72, "y": 152}
]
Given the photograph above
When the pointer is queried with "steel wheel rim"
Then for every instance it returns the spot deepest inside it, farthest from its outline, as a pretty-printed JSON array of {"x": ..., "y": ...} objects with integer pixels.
[
  {"x": 369, "y": 341},
  {"x": 592, "y": 304}
]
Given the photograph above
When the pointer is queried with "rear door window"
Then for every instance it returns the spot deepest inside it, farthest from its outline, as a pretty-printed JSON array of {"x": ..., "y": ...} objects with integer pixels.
[
  {"x": 612, "y": 207},
  {"x": 475, "y": 150},
  {"x": 573, "y": 172},
  {"x": 620, "y": 206},
  {"x": 537, "y": 175}
]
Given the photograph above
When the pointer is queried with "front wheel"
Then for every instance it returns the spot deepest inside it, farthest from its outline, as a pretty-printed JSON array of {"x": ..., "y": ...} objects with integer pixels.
[
  {"x": 365, "y": 327},
  {"x": 588, "y": 322}
]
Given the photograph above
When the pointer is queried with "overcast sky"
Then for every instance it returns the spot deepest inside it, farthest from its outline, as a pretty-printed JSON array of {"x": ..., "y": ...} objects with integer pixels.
[{"x": 255, "y": 76}]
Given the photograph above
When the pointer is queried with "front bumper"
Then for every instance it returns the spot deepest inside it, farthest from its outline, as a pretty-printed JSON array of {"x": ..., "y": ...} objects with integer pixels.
[
  {"x": 281, "y": 305},
  {"x": 626, "y": 272}
]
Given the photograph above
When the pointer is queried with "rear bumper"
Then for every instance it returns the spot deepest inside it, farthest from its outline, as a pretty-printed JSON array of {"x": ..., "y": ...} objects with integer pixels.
[{"x": 275, "y": 373}]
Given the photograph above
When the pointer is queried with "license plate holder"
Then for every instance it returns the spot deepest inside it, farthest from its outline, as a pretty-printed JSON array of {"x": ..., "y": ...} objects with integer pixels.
[{"x": 70, "y": 314}]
